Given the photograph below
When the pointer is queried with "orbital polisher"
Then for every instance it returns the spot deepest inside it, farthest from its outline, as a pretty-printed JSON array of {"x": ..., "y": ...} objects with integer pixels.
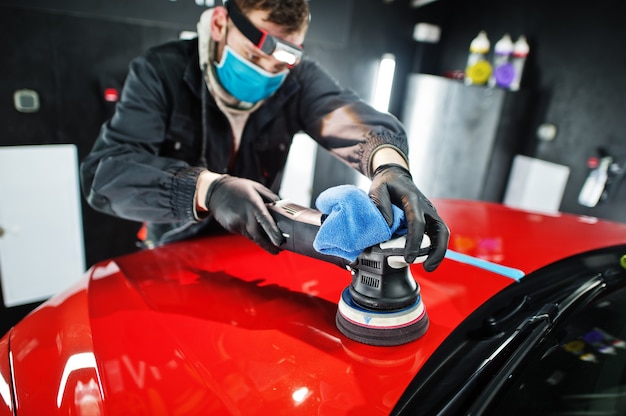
[{"x": 382, "y": 306}]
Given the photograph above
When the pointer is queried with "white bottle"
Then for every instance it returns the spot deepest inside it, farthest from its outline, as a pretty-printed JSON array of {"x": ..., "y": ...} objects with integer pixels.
[
  {"x": 478, "y": 69},
  {"x": 595, "y": 184},
  {"x": 520, "y": 52},
  {"x": 502, "y": 74}
]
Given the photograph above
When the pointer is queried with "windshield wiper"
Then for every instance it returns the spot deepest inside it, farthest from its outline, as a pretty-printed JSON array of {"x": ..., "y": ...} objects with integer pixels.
[
  {"x": 504, "y": 357},
  {"x": 529, "y": 334},
  {"x": 494, "y": 371}
]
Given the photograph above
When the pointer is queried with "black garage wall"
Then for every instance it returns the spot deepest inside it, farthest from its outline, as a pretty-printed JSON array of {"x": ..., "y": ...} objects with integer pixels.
[{"x": 69, "y": 60}]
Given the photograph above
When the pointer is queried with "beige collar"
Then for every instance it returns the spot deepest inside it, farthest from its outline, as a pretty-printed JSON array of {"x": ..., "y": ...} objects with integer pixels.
[
  {"x": 207, "y": 50},
  {"x": 236, "y": 111}
]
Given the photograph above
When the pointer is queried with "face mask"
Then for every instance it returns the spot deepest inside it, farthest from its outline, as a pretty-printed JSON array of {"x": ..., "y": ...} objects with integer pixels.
[{"x": 244, "y": 80}]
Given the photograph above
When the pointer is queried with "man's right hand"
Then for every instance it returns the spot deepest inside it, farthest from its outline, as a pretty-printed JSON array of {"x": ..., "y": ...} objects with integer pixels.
[{"x": 239, "y": 206}]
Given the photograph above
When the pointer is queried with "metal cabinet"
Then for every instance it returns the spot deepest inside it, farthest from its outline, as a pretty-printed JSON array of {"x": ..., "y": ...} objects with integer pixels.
[{"x": 462, "y": 139}]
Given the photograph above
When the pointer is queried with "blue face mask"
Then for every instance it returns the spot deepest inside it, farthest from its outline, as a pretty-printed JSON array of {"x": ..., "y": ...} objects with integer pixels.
[{"x": 244, "y": 80}]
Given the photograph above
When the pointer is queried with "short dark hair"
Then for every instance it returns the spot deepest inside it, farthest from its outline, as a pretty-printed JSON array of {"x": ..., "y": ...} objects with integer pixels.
[{"x": 293, "y": 15}]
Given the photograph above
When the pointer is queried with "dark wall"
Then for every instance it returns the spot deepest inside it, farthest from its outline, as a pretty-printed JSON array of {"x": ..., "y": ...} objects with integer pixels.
[
  {"x": 69, "y": 60},
  {"x": 573, "y": 75}
]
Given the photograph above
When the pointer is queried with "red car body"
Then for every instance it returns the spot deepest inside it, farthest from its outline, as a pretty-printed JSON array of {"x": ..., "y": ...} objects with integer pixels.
[{"x": 218, "y": 326}]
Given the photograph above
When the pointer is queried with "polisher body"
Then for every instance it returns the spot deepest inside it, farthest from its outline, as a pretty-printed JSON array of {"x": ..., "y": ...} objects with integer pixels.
[{"x": 382, "y": 305}]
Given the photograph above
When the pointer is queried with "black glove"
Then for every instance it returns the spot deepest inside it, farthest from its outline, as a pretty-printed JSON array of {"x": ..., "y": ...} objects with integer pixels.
[
  {"x": 239, "y": 206},
  {"x": 393, "y": 184}
]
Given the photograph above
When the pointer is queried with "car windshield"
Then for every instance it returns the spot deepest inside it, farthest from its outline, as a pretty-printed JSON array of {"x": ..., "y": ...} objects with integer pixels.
[{"x": 580, "y": 370}]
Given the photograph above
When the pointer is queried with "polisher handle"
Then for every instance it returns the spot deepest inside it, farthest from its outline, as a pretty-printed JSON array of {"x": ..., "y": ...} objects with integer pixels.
[{"x": 299, "y": 226}]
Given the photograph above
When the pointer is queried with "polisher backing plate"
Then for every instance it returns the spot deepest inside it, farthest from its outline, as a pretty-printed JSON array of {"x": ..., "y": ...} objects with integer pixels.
[{"x": 380, "y": 328}]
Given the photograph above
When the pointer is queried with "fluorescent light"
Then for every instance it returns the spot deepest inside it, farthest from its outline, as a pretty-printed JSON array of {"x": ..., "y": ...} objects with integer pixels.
[
  {"x": 76, "y": 362},
  {"x": 420, "y": 3},
  {"x": 187, "y": 34},
  {"x": 5, "y": 392},
  {"x": 384, "y": 82},
  {"x": 426, "y": 32},
  {"x": 300, "y": 395}
]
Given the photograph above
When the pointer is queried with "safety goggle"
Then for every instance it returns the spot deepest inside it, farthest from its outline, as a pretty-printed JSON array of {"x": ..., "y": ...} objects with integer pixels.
[{"x": 280, "y": 49}]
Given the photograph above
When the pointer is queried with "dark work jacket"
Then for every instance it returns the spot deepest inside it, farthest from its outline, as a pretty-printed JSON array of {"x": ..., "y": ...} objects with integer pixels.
[{"x": 167, "y": 128}]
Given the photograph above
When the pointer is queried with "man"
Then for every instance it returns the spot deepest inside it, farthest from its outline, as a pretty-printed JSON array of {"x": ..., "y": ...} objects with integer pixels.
[{"x": 203, "y": 128}]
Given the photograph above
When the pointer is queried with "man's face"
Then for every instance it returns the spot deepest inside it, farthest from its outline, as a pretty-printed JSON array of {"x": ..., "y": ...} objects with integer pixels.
[{"x": 242, "y": 45}]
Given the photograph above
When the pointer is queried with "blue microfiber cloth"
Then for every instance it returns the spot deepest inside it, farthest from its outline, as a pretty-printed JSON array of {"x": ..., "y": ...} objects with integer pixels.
[{"x": 353, "y": 222}]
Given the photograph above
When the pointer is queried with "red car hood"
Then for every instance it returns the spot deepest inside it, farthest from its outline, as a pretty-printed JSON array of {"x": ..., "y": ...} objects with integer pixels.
[{"x": 218, "y": 324}]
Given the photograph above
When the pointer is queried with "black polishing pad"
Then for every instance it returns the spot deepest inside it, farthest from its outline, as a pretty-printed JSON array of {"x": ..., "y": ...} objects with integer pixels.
[{"x": 381, "y": 328}]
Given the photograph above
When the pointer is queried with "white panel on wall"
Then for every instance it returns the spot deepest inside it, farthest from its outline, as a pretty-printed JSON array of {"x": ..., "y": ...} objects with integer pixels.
[
  {"x": 536, "y": 185},
  {"x": 297, "y": 184},
  {"x": 41, "y": 235}
]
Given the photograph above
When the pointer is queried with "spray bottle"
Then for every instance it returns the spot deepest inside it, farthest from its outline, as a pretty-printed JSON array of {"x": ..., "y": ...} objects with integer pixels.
[
  {"x": 520, "y": 52},
  {"x": 503, "y": 71},
  {"x": 478, "y": 69}
]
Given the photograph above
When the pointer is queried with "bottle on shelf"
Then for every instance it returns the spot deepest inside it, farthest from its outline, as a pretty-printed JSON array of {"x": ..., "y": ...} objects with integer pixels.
[
  {"x": 503, "y": 71},
  {"x": 518, "y": 59},
  {"x": 478, "y": 69}
]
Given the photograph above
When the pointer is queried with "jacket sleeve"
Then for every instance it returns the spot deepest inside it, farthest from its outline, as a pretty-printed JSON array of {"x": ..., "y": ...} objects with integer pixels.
[
  {"x": 344, "y": 124},
  {"x": 124, "y": 175}
]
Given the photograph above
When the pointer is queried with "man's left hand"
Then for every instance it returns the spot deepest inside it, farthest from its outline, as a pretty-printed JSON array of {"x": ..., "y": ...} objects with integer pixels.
[{"x": 392, "y": 184}]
